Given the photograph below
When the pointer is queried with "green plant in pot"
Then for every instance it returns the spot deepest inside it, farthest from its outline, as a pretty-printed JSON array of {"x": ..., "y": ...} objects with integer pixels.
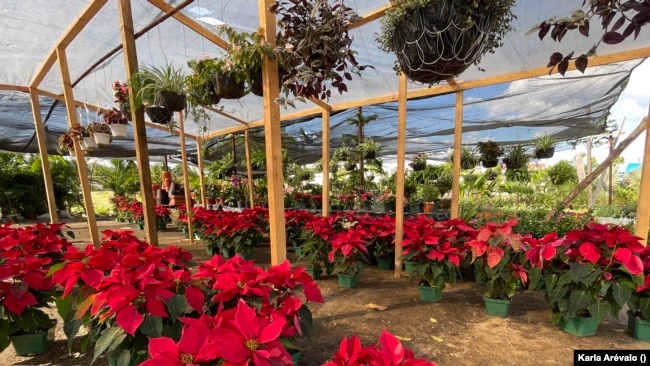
[
  {"x": 491, "y": 174},
  {"x": 316, "y": 237},
  {"x": 516, "y": 158},
  {"x": 369, "y": 148},
  {"x": 418, "y": 162},
  {"x": 435, "y": 40},
  {"x": 444, "y": 183},
  {"x": 468, "y": 160},
  {"x": 544, "y": 147},
  {"x": 200, "y": 84},
  {"x": 429, "y": 194},
  {"x": 382, "y": 244},
  {"x": 498, "y": 256},
  {"x": 161, "y": 87},
  {"x": 348, "y": 255},
  {"x": 490, "y": 152},
  {"x": 317, "y": 58},
  {"x": 258, "y": 159},
  {"x": 589, "y": 275},
  {"x": 639, "y": 304},
  {"x": 562, "y": 172}
]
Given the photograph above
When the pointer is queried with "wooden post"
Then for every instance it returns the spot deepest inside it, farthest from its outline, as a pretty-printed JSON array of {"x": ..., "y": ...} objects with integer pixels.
[
  {"x": 401, "y": 159},
  {"x": 643, "y": 205},
  {"x": 234, "y": 151},
  {"x": 249, "y": 168},
  {"x": 458, "y": 140},
  {"x": 360, "y": 139},
  {"x": 186, "y": 181},
  {"x": 590, "y": 200},
  {"x": 273, "y": 138},
  {"x": 611, "y": 172},
  {"x": 81, "y": 160},
  {"x": 326, "y": 163},
  {"x": 42, "y": 149},
  {"x": 199, "y": 157},
  {"x": 137, "y": 116}
]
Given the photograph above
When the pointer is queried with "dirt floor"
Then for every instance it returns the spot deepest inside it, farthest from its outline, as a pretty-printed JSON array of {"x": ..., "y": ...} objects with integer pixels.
[{"x": 454, "y": 331}]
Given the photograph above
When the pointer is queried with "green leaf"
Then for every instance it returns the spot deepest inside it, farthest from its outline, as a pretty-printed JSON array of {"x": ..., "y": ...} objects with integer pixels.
[
  {"x": 580, "y": 271},
  {"x": 557, "y": 293},
  {"x": 4, "y": 342},
  {"x": 117, "y": 342},
  {"x": 173, "y": 331},
  {"x": 622, "y": 293},
  {"x": 124, "y": 358},
  {"x": 599, "y": 309},
  {"x": 556, "y": 317},
  {"x": 177, "y": 306},
  {"x": 71, "y": 328},
  {"x": 644, "y": 307},
  {"x": 7, "y": 328},
  {"x": 64, "y": 306},
  {"x": 83, "y": 342},
  {"x": 306, "y": 321},
  {"x": 579, "y": 300},
  {"x": 564, "y": 279},
  {"x": 151, "y": 326},
  {"x": 534, "y": 275},
  {"x": 550, "y": 282},
  {"x": 54, "y": 268},
  {"x": 105, "y": 340},
  {"x": 591, "y": 277}
]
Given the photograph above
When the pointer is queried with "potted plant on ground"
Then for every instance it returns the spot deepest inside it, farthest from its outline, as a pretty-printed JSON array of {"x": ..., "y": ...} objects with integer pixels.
[
  {"x": 163, "y": 217},
  {"x": 544, "y": 147},
  {"x": 444, "y": 183},
  {"x": 348, "y": 255},
  {"x": 101, "y": 132},
  {"x": 200, "y": 84},
  {"x": 430, "y": 194},
  {"x": 369, "y": 148},
  {"x": 365, "y": 200},
  {"x": 316, "y": 237},
  {"x": 418, "y": 162},
  {"x": 639, "y": 306},
  {"x": 562, "y": 172},
  {"x": 516, "y": 158},
  {"x": 381, "y": 239},
  {"x": 435, "y": 40},
  {"x": 498, "y": 257},
  {"x": 315, "y": 55},
  {"x": 388, "y": 200},
  {"x": 490, "y": 153},
  {"x": 116, "y": 121}
]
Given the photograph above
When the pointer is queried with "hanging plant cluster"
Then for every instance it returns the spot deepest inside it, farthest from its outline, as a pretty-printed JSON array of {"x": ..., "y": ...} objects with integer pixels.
[
  {"x": 314, "y": 48},
  {"x": 489, "y": 152},
  {"x": 161, "y": 89},
  {"x": 435, "y": 40}
]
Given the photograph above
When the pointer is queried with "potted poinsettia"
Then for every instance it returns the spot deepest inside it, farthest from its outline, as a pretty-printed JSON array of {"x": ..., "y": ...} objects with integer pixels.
[
  {"x": 380, "y": 236},
  {"x": 577, "y": 270},
  {"x": 349, "y": 254},
  {"x": 497, "y": 256},
  {"x": 294, "y": 222},
  {"x": 316, "y": 236},
  {"x": 163, "y": 217},
  {"x": 116, "y": 121},
  {"x": 639, "y": 306},
  {"x": 388, "y": 200}
]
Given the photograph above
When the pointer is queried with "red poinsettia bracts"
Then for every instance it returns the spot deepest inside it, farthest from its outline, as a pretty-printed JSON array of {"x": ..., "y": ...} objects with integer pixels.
[{"x": 490, "y": 240}]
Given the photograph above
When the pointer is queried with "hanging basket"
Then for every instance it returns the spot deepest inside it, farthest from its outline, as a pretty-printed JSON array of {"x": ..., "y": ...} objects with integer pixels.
[
  {"x": 418, "y": 167},
  {"x": 350, "y": 166},
  {"x": 467, "y": 164},
  {"x": 88, "y": 144},
  {"x": 256, "y": 83},
  {"x": 173, "y": 101},
  {"x": 227, "y": 86},
  {"x": 490, "y": 162},
  {"x": 433, "y": 44},
  {"x": 160, "y": 115},
  {"x": 491, "y": 176},
  {"x": 545, "y": 153},
  {"x": 125, "y": 109},
  {"x": 102, "y": 138},
  {"x": 208, "y": 96},
  {"x": 512, "y": 164},
  {"x": 118, "y": 130},
  {"x": 370, "y": 155}
]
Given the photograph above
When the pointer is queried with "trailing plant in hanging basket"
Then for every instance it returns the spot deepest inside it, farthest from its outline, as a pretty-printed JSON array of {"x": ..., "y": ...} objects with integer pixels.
[
  {"x": 468, "y": 160},
  {"x": 516, "y": 158},
  {"x": 435, "y": 40},
  {"x": 314, "y": 47},
  {"x": 160, "y": 86},
  {"x": 369, "y": 148},
  {"x": 121, "y": 93},
  {"x": 491, "y": 174},
  {"x": 490, "y": 152},
  {"x": 200, "y": 84},
  {"x": 418, "y": 162},
  {"x": 160, "y": 115},
  {"x": 66, "y": 141},
  {"x": 544, "y": 147},
  {"x": 226, "y": 83}
]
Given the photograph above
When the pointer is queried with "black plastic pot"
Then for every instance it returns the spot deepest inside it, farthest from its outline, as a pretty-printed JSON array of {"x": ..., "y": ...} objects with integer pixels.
[
  {"x": 208, "y": 96},
  {"x": 256, "y": 83},
  {"x": 433, "y": 47},
  {"x": 491, "y": 176},
  {"x": 227, "y": 86},
  {"x": 350, "y": 166},
  {"x": 514, "y": 164},
  {"x": 173, "y": 101},
  {"x": 490, "y": 162},
  {"x": 467, "y": 164},
  {"x": 419, "y": 166},
  {"x": 160, "y": 115},
  {"x": 545, "y": 153},
  {"x": 305, "y": 176},
  {"x": 370, "y": 155}
]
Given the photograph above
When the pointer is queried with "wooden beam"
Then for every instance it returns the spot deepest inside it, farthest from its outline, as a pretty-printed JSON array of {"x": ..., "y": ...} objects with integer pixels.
[
  {"x": 186, "y": 180},
  {"x": 458, "y": 139},
  {"x": 42, "y": 149},
  {"x": 401, "y": 160},
  {"x": 70, "y": 34},
  {"x": 643, "y": 205},
  {"x": 273, "y": 138},
  {"x": 23, "y": 89},
  {"x": 215, "y": 110},
  {"x": 199, "y": 157},
  {"x": 249, "y": 168},
  {"x": 191, "y": 24},
  {"x": 321, "y": 104},
  {"x": 139, "y": 128},
  {"x": 601, "y": 168},
  {"x": 325, "y": 160},
  {"x": 79, "y": 154},
  {"x": 370, "y": 17}
]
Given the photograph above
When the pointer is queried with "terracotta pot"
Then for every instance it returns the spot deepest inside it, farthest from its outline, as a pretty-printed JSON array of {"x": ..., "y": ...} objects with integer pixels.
[
  {"x": 428, "y": 207},
  {"x": 211, "y": 201}
]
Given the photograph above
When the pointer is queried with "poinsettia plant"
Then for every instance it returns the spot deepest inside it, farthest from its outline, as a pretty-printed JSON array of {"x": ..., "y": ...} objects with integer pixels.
[
  {"x": 498, "y": 257},
  {"x": 316, "y": 237},
  {"x": 348, "y": 252},
  {"x": 639, "y": 302},
  {"x": 232, "y": 230},
  {"x": 380, "y": 235},
  {"x": 163, "y": 214},
  {"x": 389, "y": 351},
  {"x": 294, "y": 222},
  {"x": 577, "y": 268},
  {"x": 26, "y": 256}
]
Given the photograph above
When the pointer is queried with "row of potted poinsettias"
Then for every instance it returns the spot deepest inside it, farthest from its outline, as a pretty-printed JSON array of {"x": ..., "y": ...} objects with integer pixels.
[{"x": 131, "y": 210}]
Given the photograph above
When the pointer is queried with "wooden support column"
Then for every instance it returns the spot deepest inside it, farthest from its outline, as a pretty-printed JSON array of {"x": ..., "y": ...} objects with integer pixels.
[
  {"x": 186, "y": 180},
  {"x": 199, "y": 156},
  {"x": 590, "y": 188},
  {"x": 273, "y": 139},
  {"x": 81, "y": 160},
  {"x": 326, "y": 163},
  {"x": 611, "y": 173},
  {"x": 458, "y": 140},
  {"x": 42, "y": 149},
  {"x": 234, "y": 151},
  {"x": 643, "y": 205},
  {"x": 401, "y": 160},
  {"x": 137, "y": 116},
  {"x": 360, "y": 140},
  {"x": 249, "y": 168}
]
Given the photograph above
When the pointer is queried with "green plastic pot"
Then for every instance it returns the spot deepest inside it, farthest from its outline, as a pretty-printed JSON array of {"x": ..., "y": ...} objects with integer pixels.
[
  {"x": 294, "y": 358},
  {"x": 579, "y": 326},
  {"x": 33, "y": 343},
  {"x": 639, "y": 329},
  {"x": 211, "y": 251},
  {"x": 228, "y": 253},
  {"x": 246, "y": 255},
  {"x": 112, "y": 361},
  {"x": 497, "y": 307},
  {"x": 429, "y": 294},
  {"x": 410, "y": 266},
  {"x": 385, "y": 264},
  {"x": 347, "y": 281},
  {"x": 298, "y": 251},
  {"x": 161, "y": 225},
  {"x": 140, "y": 227},
  {"x": 186, "y": 234}
]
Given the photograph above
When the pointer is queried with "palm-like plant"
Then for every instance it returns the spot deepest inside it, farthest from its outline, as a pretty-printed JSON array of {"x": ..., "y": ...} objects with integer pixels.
[
  {"x": 161, "y": 86},
  {"x": 120, "y": 177}
]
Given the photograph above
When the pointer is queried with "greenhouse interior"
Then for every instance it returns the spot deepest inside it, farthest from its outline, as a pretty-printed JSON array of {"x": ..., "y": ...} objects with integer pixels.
[{"x": 324, "y": 182}]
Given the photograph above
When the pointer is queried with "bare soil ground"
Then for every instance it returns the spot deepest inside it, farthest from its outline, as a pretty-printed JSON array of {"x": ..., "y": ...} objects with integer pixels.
[{"x": 454, "y": 331}]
